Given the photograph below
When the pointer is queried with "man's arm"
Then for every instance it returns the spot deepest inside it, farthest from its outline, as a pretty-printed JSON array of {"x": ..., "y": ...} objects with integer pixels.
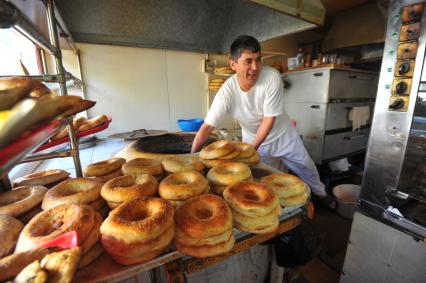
[
  {"x": 263, "y": 131},
  {"x": 201, "y": 137}
]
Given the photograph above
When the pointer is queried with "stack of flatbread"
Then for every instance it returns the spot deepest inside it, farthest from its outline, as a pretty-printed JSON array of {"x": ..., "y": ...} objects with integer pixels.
[
  {"x": 223, "y": 70},
  {"x": 215, "y": 84},
  {"x": 223, "y": 151},
  {"x": 26, "y": 104}
]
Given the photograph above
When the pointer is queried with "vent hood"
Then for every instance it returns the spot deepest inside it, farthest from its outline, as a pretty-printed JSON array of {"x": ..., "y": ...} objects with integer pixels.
[
  {"x": 364, "y": 24},
  {"x": 193, "y": 25}
]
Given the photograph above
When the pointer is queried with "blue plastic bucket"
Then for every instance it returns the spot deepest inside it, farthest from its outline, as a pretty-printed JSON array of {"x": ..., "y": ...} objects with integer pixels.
[{"x": 191, "y": 125}]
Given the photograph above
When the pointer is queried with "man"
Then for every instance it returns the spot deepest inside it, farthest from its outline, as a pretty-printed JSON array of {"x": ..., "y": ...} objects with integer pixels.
[{"x": 254, "y": 97}]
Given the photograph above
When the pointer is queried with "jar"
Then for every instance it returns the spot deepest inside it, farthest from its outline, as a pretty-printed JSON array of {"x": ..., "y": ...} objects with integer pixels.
[
  {"x": 325, "y": 59},
  {"x": 308, "y": 60},
  {"x": 319, "y": 59},
  {"x": 333, "y": 58}
]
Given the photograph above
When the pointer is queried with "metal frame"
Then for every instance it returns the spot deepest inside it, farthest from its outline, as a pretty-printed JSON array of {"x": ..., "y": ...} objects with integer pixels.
[
  {"x": 10, "y": 16},
  {"x": 63, "y": 88}
]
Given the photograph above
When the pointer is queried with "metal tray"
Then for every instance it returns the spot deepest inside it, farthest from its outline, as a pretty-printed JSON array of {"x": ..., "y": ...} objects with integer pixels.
[{"x": 137, "y": 134}]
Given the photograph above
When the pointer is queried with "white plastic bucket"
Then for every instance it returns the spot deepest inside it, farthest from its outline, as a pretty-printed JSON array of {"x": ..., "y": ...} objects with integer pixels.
[{"x": 347, "y": 199}]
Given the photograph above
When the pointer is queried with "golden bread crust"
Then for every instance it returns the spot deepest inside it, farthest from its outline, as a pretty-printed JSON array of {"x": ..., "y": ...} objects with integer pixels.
[
  {"x": 256, "y": 223},
  {"x": 210, "y": 163},
  {"x": 54, "y": 222},
  {"x": 94, "y": 235},
  {"x": 207, "y": 250},
  {"x": 42, "y": 178},
  {"x": 216, "y": 150},
  {"x": 103, "y": 167},
  {"x": 204, "y": 216},
  {"x": 175, "y": 164},
  {"x": 127, "y": 187},
  {"x": 105, "y": 178},
  {"x": 246, "y": 150},
  {"x": 140, "y": 219},
  {"x": 139, "y": 166},
  {"x": 251, "y": 198},
  {"x": 184, "y": 239},
  {"x": 229, "y": 173},
  {"x": 72, "y": 191},
  {"x": 182, "y": 185},
  {"x": 62, "y": 265},
  {"x": 294, "y": 200},
  {"x": 21, "y": 200},
  {"x": 139, "y": 259},
  {"x": 284, "y": 185},
  {"x": 115, "y": 246},
  {"x": 264, "y": 230},
  {"x": 91, "y": 255},
  {"x": 92, "y": 123},
  {"x": 10, "y": 228}
]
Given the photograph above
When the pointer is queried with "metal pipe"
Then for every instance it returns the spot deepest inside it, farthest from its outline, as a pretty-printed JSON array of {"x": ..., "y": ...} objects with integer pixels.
[
  {"x": 10, "y": 16},
  {"x": 63, "y": 88},
  {"x": 56, "y": 154},
  {"x": 64, "y": 28},
  {"x": 44, "y": 62},
  {"x": 83, "y": 87},
  {"x": 43, "y": 78}
]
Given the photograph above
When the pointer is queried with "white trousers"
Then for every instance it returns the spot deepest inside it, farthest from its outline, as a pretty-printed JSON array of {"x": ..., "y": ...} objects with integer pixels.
[{"x": 290, "y": 150}]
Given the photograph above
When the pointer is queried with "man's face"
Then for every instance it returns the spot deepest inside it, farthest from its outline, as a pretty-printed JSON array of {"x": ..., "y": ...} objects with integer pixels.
[{"x": 247, "y": 68}]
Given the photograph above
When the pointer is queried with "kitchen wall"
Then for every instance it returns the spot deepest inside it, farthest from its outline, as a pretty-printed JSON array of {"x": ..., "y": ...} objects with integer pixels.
[{"x": 141, "y": 87}]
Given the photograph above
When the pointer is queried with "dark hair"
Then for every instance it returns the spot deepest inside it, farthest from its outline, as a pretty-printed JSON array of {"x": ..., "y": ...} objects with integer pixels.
[{"x": 242, "y": 43}]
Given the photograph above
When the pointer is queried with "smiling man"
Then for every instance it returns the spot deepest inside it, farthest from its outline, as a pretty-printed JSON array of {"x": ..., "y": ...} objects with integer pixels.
[{"x": 254, "y": 97}]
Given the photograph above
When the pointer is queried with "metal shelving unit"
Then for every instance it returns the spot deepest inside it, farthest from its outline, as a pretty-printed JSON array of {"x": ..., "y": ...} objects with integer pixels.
[{"x": 12, "y": 17}]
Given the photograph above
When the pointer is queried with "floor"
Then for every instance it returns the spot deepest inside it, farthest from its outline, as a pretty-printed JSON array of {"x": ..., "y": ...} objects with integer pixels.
[{"x": 334, "y": 229}]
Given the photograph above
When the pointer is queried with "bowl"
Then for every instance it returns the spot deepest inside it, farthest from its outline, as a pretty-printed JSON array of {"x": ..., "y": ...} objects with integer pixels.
[{"x": 191, "y": 125}]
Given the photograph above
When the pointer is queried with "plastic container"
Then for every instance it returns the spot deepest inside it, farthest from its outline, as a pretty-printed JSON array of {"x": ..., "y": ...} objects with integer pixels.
[
  {"x": 191, "y": 125},
  {"x": 347, "y": 199}
]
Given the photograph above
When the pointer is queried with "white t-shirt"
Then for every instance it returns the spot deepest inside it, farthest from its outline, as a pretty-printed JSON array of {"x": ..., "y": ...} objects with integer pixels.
[{"x": 264, "y": 99}]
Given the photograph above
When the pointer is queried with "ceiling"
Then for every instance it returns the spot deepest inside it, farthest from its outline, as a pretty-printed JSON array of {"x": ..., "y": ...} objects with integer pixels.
[
  {"x": 333, "y": 6},
  {"x": 194, "y": 25}
]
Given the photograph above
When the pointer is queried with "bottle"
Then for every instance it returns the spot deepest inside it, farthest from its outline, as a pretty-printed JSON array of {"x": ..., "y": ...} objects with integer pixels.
[
  {"x": 300, "y": 58},
  {"x": 308, "y": 61},
  {"x": 319, "y": 59}
]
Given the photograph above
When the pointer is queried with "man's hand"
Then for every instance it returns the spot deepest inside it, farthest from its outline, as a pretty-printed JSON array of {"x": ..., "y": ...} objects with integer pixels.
[
  {"x": 263, "y": 131},
  {"x": 201, "y": 137}
]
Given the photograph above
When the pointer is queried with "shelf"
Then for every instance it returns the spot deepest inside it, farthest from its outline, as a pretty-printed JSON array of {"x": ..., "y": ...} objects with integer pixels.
[
  {"x": 221, "y": 75},
  {"x": 27, "y": 143},
  {"x": 105, "y": 269},
  {"x": 78, "y": 135},
  {"x": 330, "y": 66}
]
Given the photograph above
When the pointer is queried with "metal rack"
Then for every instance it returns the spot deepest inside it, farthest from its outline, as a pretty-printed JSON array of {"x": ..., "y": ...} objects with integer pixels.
[{"x": 12, "y": 17}]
